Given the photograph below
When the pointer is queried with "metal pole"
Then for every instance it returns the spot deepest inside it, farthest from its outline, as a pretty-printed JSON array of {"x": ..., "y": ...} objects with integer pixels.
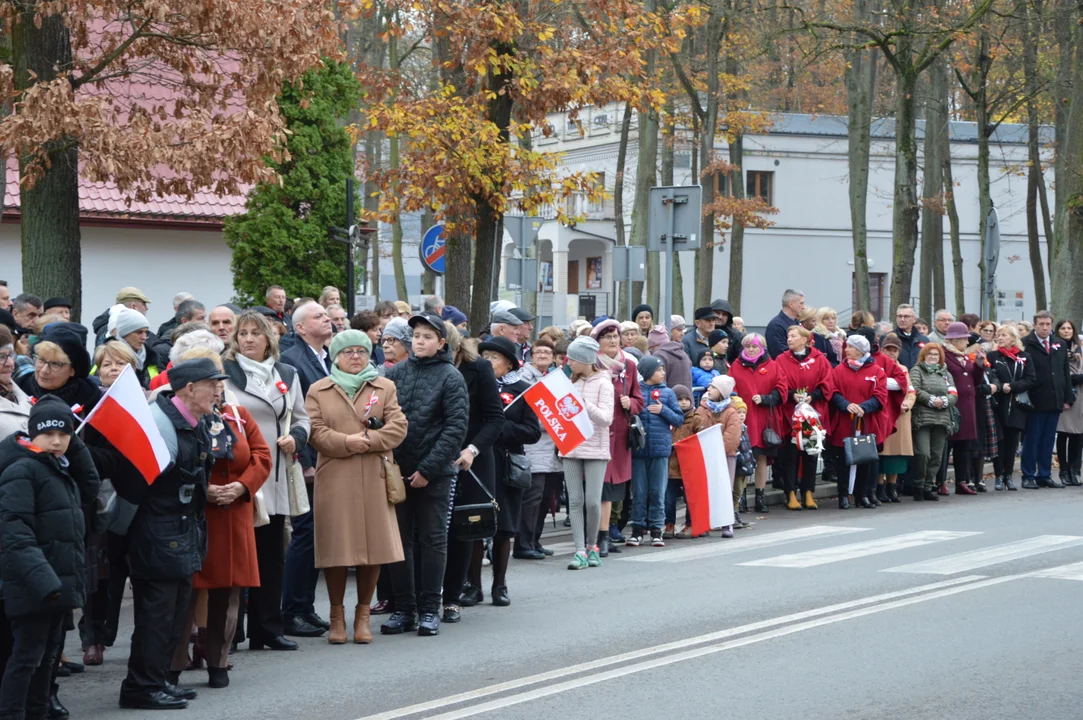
[
  {"x": 667, "y": 297},
  {"x": 351, "y": 288}
]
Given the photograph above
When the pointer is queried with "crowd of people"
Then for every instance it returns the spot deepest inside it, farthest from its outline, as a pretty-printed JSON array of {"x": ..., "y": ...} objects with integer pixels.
[{"x": 301, "y": 440}]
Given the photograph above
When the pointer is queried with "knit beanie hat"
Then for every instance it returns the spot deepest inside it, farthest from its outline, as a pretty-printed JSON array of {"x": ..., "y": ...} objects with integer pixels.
[
  {"x": 648, "y": 366},
  {"x": 657, "y": 336},
  {"x": 858, "y": 342},
  {"x": 738, "y": 403},
  {"x": 583, "y": 349},
  {"x": 682, "y": 391},
  {"x": 349, "y": 338},
  {"x": 50, "y": 413},
  {"x": 128, "y": 321},
  {"x": 628, "y": 326},
  {"x": 716, "y": 337},
  {"x": 724, "y": 384},
  {"x": 676, "y": 322},
  {"x": 642, "y": 308},
  {"x": 399, "y": 329}
]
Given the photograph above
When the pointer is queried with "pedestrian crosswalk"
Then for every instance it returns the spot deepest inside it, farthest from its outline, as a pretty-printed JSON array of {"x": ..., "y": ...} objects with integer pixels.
[{"x": 842, "y": 546}]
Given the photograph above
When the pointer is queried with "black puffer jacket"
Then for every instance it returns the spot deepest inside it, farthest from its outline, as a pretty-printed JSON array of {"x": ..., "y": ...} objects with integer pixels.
[
  {"x": 433, "y": 395},
  {"x": 42, "y": 555}
]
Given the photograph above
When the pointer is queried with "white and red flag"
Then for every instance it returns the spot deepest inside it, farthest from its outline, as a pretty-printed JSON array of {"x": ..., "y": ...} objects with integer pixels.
[
  {"x": 123, "y": 417},
  {"x": 561, "y": 411},
  {"x": 706, "y": 477}
]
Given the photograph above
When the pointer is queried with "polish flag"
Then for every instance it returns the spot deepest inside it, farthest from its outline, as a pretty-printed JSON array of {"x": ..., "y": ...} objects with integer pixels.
[
  {"x": 707, "y": 484},
  {"x": 561, "y": 411},
  {"x": 123, "y": 417}
]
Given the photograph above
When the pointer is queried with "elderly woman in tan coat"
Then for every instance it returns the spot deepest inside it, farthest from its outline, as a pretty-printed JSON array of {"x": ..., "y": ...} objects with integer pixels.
[{"x": 356, "y": 423}]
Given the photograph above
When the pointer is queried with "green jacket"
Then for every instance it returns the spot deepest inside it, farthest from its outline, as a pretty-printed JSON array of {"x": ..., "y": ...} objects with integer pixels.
[{"x": 930, "y": 384}]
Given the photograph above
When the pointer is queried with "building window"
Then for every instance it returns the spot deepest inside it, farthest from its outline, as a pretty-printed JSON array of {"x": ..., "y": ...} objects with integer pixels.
[
  {"x": 721, "y": 184},
  {"x": 877, "y": 293},
  {"x": 760, "y": 183}
]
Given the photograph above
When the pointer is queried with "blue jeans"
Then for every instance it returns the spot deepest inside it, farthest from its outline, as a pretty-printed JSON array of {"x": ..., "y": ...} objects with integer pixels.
[
  {"x": 300, "y": 576},
  {"x": 1038, "y": 441},
  {"x": 649, "y": 477},
  {"x": 673, "y": 488}
]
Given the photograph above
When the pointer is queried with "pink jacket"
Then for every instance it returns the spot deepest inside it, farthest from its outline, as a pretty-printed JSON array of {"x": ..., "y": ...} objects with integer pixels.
[{"x": 597, "y": 392}]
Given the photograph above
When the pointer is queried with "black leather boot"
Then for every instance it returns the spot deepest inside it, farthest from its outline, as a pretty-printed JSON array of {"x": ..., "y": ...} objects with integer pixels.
[{"x": 761, "y": 502}]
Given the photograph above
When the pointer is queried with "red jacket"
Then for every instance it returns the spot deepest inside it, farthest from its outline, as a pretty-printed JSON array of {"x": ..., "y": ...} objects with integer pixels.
[
  {"x": 231, "y": 538},
  {"x": 892, "y": 370},
  {"x": 767, "y": 379},
  {"x": 867, "y": 387},
  {"x": 619, "y": 469},
  {"x": 810, "y": 374}
]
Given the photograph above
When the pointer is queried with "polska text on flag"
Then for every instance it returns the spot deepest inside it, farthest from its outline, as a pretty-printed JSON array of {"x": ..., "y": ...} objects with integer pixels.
[{"x": 561, "y": 411}]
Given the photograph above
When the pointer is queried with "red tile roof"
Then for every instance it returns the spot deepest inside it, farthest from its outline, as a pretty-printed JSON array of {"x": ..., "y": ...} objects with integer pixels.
[{"x": 105, "y": 202}]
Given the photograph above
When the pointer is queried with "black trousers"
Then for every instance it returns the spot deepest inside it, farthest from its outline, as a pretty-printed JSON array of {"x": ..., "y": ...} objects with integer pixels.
[
  {"x": 426, "y": 510},
  {"x": 161, "y": 621},
  {"x": 265, "y": 602},
  {"x": 28, "y": 675},
  {"x": 1069, "y": 450},
  {"x": 797, "y": 468},
  {"x": 537, "y": 499},
  {"x": 1007, "y": 447},
  {"x": 116, "y": 548},
  {"x": 383, "y": 585},
  {"x": 962, "y": 454},
  {"x": 865, "y": 480}
]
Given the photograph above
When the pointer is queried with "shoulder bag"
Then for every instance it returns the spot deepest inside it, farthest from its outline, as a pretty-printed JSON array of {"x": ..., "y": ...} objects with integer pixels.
[
  {"x": 860, "y": 449},
  {"x": 637, "y": 434},
  {"x": 476, "y": 521},
  {"x": 771, "y": 438},
  {"x": 517, "y": 471},
  {"x": 396, "y": 489}
]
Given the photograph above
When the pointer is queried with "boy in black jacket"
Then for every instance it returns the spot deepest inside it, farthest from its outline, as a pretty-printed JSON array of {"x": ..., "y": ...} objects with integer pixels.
[{"x": 42, "y": 556}]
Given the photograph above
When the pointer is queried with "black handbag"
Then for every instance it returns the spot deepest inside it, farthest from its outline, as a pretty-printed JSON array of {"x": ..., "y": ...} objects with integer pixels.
[
  {"x": 860, "y": 449},
  {"x": 771, "y": 438},
  {"x": 637, "y": 434},
  {"x": 476, "y": 521},
  {"x": 517, "y": 471}
]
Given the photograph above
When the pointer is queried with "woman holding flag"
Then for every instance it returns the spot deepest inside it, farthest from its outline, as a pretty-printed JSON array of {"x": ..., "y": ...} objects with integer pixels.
[
  {"x": 520, "y": 428},
  {"x": 585, "y": 466}
]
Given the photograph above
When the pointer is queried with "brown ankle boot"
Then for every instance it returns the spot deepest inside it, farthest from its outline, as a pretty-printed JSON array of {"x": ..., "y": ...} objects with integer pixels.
[
  {"x": 337, "y": 634},
  {"x": 362, "y": 633}
]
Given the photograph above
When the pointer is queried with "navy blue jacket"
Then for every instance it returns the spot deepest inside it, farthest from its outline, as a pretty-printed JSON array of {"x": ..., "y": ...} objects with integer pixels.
[
  {"x": 309, "y": 371},
  {"x": 775, "y": 335},
  {"x": 659, "y": 427}
]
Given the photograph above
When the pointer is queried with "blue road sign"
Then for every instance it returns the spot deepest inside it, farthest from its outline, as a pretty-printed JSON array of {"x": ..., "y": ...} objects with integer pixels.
[{"x": 433, "y": 250}]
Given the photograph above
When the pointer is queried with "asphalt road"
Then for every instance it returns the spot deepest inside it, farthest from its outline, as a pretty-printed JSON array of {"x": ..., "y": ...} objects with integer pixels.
[{"x": 968, "y": 608}]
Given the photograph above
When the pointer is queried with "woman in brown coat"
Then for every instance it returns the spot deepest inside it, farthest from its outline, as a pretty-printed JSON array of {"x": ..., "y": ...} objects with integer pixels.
[{"x": 356, "y": 421}]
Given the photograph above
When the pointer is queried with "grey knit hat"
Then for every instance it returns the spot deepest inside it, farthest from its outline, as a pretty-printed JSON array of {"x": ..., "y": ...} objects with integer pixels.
[
  {"x": 129, "y": 321},
  {"x": 858, "y": 342},
  {"x": 583, "y": 349}
]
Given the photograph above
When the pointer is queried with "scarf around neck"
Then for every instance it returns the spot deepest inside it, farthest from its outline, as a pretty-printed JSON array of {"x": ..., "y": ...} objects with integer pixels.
[
  {"x": 510, "y": 378},
  {"x": 716, "y": 407},
  {"x": 352, "y": 384},
  {"x": 260, "y": 373},
  {"x": 1011, "y": 351},
  {"x": 615, "y": 365},
  {"x": 141, "y": 356}
]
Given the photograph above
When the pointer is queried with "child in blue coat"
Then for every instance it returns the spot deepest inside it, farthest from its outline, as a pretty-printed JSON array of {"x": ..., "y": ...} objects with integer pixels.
[
  {"x": 650, "y": 466},
  {"x": 703, "y": 375}
]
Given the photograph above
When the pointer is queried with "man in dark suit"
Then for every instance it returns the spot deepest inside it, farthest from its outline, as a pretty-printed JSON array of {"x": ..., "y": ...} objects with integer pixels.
[
  {"x": 1051, "y": 394},
  {"x": 793, "y": 302},
  {"x": 299, "y": 577}
]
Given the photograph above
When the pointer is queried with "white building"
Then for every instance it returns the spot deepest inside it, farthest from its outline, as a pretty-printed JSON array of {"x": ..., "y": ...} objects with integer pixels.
[{"x": 801, "y": 168}]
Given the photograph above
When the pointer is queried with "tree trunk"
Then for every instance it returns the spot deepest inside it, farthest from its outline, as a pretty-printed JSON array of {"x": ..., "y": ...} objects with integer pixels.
[
  {"x": 396, "y": 233},
  {"x": 1068, "y": 243},
  {"x": 428, "y": 277},
  {"x": 860, "y": 79},
  {"x": 932, "y": 220},
  {"x": 1034, "y": 171},
  {"x": 676, "y": 293},
  {"x": 708, "y": 131},
  {"x": 737, "y": 235},
  {"x": 953, "y": 225},
  {"x": 457, "y": 277},
  {"x": 646, "y": 164},
  {"x": 49, "y": 226},
  {"x": 1033, "y": 242},
  {"x": 371, "y": 202},
  {"x": 618, "y": 198},
  {"x": 904, "y": 222}
]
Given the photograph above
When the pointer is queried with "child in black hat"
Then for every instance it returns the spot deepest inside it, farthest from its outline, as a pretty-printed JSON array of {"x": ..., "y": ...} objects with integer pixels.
[{"x": 40, "y": 507}]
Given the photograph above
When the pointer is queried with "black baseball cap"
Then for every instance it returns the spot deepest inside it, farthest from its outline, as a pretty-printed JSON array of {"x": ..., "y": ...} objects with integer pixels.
[
  {"x": 191, "y": 371},
  {"x": 55, "y": 302},
  {"x": 522, "y": 314},
  {"x": 431, "y": 320}
]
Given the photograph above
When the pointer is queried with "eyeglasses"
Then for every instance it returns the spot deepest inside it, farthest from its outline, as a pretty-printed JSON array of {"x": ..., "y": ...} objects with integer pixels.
[
  {"x": 354, "y": 352},
  {"x": 54, "y": 365},
  {"x": 5, "y": 357}
]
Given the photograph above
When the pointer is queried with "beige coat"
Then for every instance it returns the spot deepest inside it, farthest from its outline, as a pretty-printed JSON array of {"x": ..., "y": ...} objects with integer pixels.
[{"x": 354, "y": 522}]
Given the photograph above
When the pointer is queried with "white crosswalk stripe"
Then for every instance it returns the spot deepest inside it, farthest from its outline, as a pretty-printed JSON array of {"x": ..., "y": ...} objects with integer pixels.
[
  {"x": 813, "y": 558},
  {"x": 974, "y": 559},
  {"x": 1073, "y": 571},
  {"x": 744, "y": 543}
]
